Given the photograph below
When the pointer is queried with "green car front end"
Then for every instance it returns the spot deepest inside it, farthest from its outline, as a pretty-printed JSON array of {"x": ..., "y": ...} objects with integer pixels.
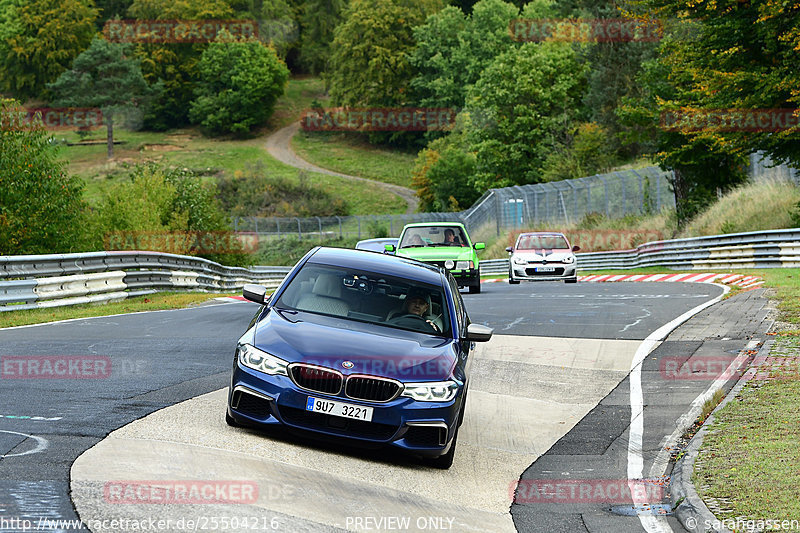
[{"x": 444, "y": 244}]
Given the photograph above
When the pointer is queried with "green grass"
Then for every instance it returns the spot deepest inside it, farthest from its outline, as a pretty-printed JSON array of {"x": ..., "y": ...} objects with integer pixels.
[
  {"x": 749, "y": 458},
  {"x": 300, "y": 93},
  {"x": 153, "y": 302},
  {"x": 349, "y": 154},
  {"x": 216, "y": 157},
  {"x": 752, "y": 207}
]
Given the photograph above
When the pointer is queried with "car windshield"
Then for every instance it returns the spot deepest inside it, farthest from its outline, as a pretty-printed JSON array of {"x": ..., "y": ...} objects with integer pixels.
[
  {"x": 416, "y": 237},
  {"x": 368, "y": 297},
  {"x": 539, "y": 242}
]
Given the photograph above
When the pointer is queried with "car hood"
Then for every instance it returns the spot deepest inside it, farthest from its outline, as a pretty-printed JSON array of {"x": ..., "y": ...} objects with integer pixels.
[
  {"x": 438, "y": 253},
  {"x": 371, "y": 349},
  {"x": 538, "y": 255}
]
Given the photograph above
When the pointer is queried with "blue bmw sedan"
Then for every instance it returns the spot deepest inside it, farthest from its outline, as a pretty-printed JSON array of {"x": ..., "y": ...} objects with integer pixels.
[{"x": 362, "y": 346}]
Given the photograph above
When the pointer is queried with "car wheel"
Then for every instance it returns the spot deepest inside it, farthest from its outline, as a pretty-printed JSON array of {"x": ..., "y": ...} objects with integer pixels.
[
  {"x": 230, "y": 421},
  {"x": 445, "y": 461},
  {"x": 476, "y": 288},
  {"x": 571, "y": 280},
  {"x": 511, "y": 279}
]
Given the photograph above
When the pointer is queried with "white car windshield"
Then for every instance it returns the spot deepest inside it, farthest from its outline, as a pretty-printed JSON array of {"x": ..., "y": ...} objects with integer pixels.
[{"x": 542, "y": 242}]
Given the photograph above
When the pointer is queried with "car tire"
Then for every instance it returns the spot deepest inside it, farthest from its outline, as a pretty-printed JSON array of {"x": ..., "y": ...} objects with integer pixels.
[
  {"x": 571, "y": 280},
  {"x": 445, "y": 461},
  {"x": 511, "y": 280},
  {"x": 230, "y": 421},
  {"x": 476, "y": 288}
]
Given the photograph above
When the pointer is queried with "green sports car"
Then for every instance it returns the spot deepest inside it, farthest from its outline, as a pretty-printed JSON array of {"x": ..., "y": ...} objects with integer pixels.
[{"x": 444, "y": 244}]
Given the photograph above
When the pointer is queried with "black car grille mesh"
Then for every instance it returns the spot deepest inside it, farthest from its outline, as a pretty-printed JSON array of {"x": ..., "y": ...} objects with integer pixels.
[
  {"x": 316, "y": 379},
  {"x": 371, "y": 389}
]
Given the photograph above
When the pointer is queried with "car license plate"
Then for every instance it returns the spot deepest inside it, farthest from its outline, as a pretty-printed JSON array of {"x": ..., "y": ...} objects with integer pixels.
[
  {"x": 545, "y": 269},
  {"x": 345, "y": 410}
]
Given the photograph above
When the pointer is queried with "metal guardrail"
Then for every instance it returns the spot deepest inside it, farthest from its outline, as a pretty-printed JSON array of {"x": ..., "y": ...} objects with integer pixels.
[
  {"x": 756, "y": 249},
  {"x": 70, "y": 279}
]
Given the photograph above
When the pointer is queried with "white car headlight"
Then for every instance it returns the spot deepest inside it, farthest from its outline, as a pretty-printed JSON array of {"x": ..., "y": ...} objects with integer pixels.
[
  {"x": 463, "y": 265},
  {"x": 520, "y": 261},
  {"x": 439, "y": 391},
  {"x": 569, "y": 259},
  {"x": 252, "y": 357}
]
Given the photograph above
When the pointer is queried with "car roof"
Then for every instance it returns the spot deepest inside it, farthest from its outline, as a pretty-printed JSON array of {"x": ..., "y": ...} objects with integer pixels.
[
  {"x": 379, "y": 263},
  {"x": 541, "y": 233},
  {"x": 427, "y": 224}
]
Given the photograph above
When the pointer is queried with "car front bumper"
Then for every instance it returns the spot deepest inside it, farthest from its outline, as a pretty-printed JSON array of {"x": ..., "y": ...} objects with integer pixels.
[
  {"x": 421, "y": 428},
  {"x": 528, "y": 272}
]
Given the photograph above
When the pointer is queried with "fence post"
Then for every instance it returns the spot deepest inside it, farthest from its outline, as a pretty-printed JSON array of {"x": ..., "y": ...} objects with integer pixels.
[
  {"x": 359, "y": 227},
  {"x": 605, "y": 187},
  {"x": 338, "y": 218},
  {"x": 497, "y": 211},
  {"x": 299, "y": 231},
  {"x": 319, "y": 223},
  {"x": 278, "y": 226}
]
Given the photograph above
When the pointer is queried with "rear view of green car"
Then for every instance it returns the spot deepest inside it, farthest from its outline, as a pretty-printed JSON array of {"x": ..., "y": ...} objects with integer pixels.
[{"x": 444, "y": 244}]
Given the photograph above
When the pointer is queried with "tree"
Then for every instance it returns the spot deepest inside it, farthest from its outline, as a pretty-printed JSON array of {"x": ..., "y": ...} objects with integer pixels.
[
  {"x": 318, "y": 22},
  {"x": 369, "y": 63},
  {"x": 39, "y": 39},
  {"x": 717, "y": 56},
  {"x": 41, "y": 210},
  {"x": 175, "y": 64},
  {"x": 528, "y": 96},
  {"x": 442, "y": 175},
  {"x": 104, "y": 76},
  {"x": 240, "y": 81}
]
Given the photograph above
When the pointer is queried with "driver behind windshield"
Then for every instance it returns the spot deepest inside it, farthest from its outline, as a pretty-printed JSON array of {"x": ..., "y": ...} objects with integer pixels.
[{"x": 416, "y": 303}]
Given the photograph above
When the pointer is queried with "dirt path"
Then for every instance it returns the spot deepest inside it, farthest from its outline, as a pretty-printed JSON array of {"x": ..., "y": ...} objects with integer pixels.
[{"x": 278, "y": 145}]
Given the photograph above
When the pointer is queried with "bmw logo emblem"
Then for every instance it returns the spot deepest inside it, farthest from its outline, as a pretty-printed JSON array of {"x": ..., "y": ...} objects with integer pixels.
[{"x": 347, "y": 364}]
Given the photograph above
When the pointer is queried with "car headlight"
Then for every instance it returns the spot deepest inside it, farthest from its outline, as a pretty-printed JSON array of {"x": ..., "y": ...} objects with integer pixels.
[
  {"x": 569, "y": 259},
  {"x": 252, "y": 357},
  {"x": 439, "y": 391},
  {"x": 464, "y": 265},
  {"x": 520, "y": 261}
]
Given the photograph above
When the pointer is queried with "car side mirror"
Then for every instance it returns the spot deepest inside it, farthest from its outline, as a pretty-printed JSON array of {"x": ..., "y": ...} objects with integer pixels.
[
  {"x": 255, "y": 293},
  {"x": 389, "y": 248},
  {"x": 509, "y": 249},
  {"x": 480, "y": 246},
  {"x": 479, "y": 333},
  {"x": 576, "y": 248}
]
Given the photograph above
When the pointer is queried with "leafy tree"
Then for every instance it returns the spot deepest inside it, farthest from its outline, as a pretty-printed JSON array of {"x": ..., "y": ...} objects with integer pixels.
[
  {"x": 318, "y": 22},
  {"x": 41, "y": 210},
  {"x": 278, "y": 26},
  {"x": 369, "y": 63},
  {"x": 175, "y": 64},
  {"x": 39, "y": 39},
  {"x": 109, "y": 9},
  {"x": 162, "y": 201},
  {"x": 452, "y": 50},
  {"x": 720, "y": 59},
  {"x": 104, "y": 76},
  {"x": 587, "y": 153},
  {"x": 240, "y": 81},
  {"x": 529, "y": 95},
  {"x": 442, "y": 175}
]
